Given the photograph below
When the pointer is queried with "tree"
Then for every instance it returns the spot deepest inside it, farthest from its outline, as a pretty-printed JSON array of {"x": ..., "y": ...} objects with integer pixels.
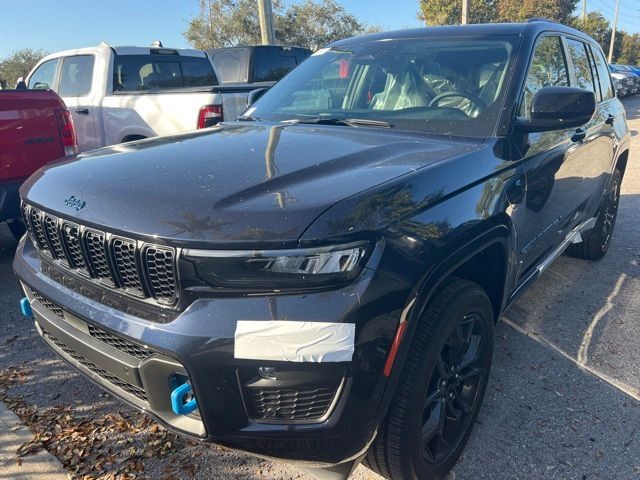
[
  {"x": 446, "y": 12},
  {"x": 594, "y": 25},
  {"x": 311, "y": 24},
  {"x": 18, "y": 64},
  {"x": 629, "y": 49},
  {"x": 316, "y": 24}
]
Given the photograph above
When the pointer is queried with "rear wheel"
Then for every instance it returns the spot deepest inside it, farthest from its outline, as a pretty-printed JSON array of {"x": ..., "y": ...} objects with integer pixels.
[
  {"x": 440, "y": 389},
  {"x": 595, "y": 243}
]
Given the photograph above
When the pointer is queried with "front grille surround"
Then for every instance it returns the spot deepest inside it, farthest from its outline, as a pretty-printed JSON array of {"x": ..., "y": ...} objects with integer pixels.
[{"x": 134, "y": 268}]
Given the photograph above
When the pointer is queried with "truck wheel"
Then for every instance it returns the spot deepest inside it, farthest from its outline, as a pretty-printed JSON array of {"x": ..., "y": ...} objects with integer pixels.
[
  {"x": 595, "y": 243},
  {"x": 440, "y": 389},
  {"x": 17, "y": 228}
]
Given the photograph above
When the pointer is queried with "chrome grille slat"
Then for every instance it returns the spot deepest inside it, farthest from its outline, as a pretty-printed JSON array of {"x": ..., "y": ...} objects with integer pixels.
[{"x": 137, "y": 269}]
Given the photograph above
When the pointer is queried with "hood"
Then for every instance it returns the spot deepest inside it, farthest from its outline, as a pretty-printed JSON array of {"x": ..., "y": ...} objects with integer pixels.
[{"x": 238, "y": 183}]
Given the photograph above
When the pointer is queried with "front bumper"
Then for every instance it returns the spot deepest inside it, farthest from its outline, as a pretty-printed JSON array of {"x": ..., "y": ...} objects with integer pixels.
[{"x": 199, "y": 343}]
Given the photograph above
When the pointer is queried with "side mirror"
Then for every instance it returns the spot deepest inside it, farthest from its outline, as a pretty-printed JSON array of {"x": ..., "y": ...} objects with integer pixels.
[
  {"x": 557, "y": 108},
  {"x": 254, "y": 95},
  {"x": 21, "y": 84}
]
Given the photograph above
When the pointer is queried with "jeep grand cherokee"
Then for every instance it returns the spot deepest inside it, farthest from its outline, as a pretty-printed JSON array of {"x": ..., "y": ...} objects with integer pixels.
[{"x": 319, "y": 280}]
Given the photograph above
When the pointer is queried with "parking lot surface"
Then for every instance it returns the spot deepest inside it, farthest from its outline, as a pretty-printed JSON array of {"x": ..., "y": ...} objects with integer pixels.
[{"x": 563, "y": 401}]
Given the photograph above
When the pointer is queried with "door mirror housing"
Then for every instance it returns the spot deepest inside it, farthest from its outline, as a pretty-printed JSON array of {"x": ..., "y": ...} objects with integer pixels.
[
  {"x": 558, "y": 108},
  {"x": 254, "y": 95}
]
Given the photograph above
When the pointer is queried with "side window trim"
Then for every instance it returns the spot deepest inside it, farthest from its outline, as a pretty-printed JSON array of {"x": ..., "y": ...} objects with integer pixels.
[
  {"x": 571, "y": 68},
  {"x": 595, "y": 73}
]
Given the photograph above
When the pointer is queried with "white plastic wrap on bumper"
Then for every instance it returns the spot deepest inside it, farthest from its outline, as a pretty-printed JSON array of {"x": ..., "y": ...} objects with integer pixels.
[{"x": 294, "y": 341}]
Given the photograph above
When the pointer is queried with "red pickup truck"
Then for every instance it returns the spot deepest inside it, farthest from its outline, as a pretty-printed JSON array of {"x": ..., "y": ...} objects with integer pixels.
[{"x": 35, "y": 129}]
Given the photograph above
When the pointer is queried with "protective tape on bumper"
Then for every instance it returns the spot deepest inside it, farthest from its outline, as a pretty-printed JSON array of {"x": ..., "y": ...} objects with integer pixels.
[{"x": 294, "y": 341}]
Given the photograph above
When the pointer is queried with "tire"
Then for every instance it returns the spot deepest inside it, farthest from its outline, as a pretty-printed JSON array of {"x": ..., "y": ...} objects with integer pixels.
[
  {"x": 595, "y": 243},
  {"x": 17, "y": 228},
  {"x": 460, "y": 314}
]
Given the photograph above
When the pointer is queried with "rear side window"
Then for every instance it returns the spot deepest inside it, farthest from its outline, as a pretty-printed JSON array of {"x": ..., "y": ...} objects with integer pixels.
[
  {"x": 231, "y": 65},
  {"x": 581, "y": 64},
  {"x": 197, "y": 72},
  {"x": 272, "y": 63},
  {"x": 603, "y": 74},
  {"x": 76, "y": 76},
  {"x": 133, "y": 73},
  {"x": 548, "y": 69},
  {"x": 42, "y": 78}
]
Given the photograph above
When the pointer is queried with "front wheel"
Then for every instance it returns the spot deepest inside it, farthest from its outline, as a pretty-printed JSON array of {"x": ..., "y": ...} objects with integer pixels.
[{"x": 440, "y": 388}]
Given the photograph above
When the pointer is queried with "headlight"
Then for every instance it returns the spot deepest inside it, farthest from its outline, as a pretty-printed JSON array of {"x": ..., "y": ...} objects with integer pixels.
[{"x": 274, "y": 270}]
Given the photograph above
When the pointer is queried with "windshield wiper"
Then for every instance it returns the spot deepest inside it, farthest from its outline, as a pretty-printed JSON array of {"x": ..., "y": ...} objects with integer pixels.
[
  {"x": 247, "y": 118},
  {"x": 351, "y": 122}
]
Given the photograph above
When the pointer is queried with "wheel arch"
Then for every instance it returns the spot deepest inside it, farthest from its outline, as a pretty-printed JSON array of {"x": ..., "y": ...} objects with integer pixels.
[
  {"x": 621, "y": 161},
  {"x": 469, "y": 261}
]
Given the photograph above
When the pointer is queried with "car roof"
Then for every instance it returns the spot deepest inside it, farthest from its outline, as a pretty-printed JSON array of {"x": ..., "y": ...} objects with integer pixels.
[
  {"x": 530, "y": 28},
  {"x": 124, "y": 50}
]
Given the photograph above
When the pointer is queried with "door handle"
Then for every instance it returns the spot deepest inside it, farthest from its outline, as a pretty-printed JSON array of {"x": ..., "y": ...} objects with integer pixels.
[
  {"x": 82, "y": 111},
  {"x": 610, "y": 119},
  {"x": 578, "y": 135}
]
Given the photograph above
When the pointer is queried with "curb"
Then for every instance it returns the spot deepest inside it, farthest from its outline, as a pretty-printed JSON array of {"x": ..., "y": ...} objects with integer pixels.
[{"x": 13, "y": 434}]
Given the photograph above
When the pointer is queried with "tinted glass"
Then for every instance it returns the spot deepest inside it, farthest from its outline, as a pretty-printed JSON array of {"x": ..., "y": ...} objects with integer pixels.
[
  {"x": 76, "y": 76},
  {"x": 152, "y": 72},
  {"x": 603, "y": 74},
  {"x": 271, "y": 64},
  {"x": 444, "y": 85},
  {"x": 581, "y": 65},
  {"x": 231, "y": 65},
  {"x": 548, "y": 69},
  {"x": 44, "y": 75},
  {"x": 197, "y": 72}
]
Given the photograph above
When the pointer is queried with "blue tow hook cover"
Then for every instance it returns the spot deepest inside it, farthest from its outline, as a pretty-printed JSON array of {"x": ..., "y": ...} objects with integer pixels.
[
  {"x": 177, "y": 400},
  {"x": 25, "y": 307}
]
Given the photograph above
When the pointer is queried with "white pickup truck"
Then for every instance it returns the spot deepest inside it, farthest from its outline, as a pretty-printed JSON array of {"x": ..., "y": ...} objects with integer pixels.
[{"x": 120, "y": 94}]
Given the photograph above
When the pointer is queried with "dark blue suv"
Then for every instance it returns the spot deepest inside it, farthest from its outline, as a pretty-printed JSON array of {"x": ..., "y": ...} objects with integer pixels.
[{"x": 319, "y": 280}]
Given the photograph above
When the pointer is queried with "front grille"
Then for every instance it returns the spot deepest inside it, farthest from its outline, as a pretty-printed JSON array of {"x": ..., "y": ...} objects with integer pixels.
[
  {"x": 127, "y": 387},
  {"x": 48, "y": 304},
  {"x": 118, "y": 343},
  {"x": 137, "y": 269},
  {"x": 289, "y": 403}
]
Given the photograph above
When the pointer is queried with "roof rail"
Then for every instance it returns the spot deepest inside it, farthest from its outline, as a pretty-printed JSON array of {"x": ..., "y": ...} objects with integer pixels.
[{"x": 540, "y": 19}]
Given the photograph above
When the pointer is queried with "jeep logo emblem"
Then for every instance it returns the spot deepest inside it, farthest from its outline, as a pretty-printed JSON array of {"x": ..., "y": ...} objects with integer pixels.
[{"x": 74, "y": 202}]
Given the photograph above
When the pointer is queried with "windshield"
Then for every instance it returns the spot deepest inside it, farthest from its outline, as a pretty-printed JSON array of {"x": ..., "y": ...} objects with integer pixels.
[{"x": 438, "y": 85}]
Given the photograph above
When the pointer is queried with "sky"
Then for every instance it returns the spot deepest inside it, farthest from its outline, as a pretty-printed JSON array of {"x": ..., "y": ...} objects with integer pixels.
[{"x": 63, "y": 24}]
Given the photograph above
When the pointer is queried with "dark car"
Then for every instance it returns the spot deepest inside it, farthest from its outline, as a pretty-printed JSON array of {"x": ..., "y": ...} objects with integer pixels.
[
  {"x": 255, "y": 64},
  {"x": 319, "y": 281}
]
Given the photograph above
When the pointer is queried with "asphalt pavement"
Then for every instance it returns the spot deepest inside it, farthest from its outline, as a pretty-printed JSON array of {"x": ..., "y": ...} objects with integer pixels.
[{"x": 563, "y": 401}]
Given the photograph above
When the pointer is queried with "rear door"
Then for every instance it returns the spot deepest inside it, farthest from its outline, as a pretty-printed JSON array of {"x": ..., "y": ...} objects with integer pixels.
[
  {"x": 599, "y": 130},
  {"x": 75, "y": 88}
]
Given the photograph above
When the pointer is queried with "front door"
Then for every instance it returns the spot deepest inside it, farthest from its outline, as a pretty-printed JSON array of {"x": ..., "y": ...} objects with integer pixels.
[
  {"x": 553, "y": 162},
  {"x": 75, "y": 88}
]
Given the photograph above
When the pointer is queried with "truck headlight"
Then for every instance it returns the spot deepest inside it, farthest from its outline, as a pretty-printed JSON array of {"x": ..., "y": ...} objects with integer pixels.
[{"x": 275, "y": 270}]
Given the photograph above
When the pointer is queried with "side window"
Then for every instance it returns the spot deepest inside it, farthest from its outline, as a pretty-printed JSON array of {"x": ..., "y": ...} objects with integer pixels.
[
  {"x": 133, "y": 73},
  {"x": 581, "y": 64},
  {"x": 603, "y": 74},
  {"x": 271, "y": 64},
  {"x": 76, "y": 76},
  {"x": 548, "y": 69},
  {"x": 197, "y": 72},
  {"x": 42, "y": 78}
]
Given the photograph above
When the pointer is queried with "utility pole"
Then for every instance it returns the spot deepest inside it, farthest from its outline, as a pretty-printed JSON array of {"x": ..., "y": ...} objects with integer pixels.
[
  {"x": 613, "y": 32},
  {"x": 465, "y": 12},
  {"x": 584, "y": 10},
  {"x": 267, "y": 30}
]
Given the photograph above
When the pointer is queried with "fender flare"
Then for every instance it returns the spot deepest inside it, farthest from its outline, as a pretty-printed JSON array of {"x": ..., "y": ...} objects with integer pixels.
[{"x": 419, "y": 299}]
